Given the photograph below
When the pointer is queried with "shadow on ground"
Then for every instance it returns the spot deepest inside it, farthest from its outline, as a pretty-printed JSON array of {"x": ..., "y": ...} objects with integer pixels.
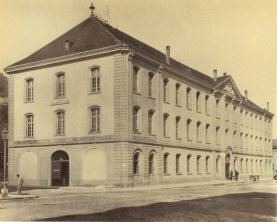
[{"x": 233, "y": 207}]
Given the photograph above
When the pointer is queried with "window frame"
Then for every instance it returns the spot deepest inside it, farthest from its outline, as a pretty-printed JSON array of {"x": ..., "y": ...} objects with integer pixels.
[{"x": 95, "y": 119}]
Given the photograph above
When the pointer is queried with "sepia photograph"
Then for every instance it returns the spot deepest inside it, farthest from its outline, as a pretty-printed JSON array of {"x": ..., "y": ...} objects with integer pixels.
[{"x": 136, "y": 110}]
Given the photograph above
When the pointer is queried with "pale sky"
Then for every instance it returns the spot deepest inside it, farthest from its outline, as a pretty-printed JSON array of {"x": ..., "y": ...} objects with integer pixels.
[{"x": 234, "y": 36}]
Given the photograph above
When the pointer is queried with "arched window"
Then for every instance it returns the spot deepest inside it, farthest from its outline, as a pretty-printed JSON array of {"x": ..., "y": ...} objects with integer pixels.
[
  {"x": 166, "y": 163},
  {"x": 178, "y": 163},
  {"x": 136, "y": 163},
  {"x": 177, "y": 130},
  {"x": 151, "y": 160},
  {"x": 251, "y": 166},
  {"x": 177, "y": 94},
  {"x": 218, "y": 113},
  {"x": 198, "y": 164},
  {"x": 60, "y": 85},
  {"x": 95, "y": 80},
  {"x": 227, "y": 136},
  {"x": 150, "y": 122},
  {"x": 235, "y": 138},
  {"x": 198, "y": 102},
  {"x": 135, "y": 79},
  {"x": 29, "y": 90},
  {"x": 165, "y": 125},
  {"x": 165, "y": 90},
  {"x": 188, "y": 129},
  {"x": 188, "y": 164},
  {"x": 29, "y": 125},
  {"x": 207, "y": 105},
  {"x": 261, "y": 166},
  {"x": 198, "y": 131},
  {"x": 247, "y": 165},
  {"x": 217, "y": 164},
  {"x": 227, "y": 112},
  {"x": 207, "y": 164},
  {"x": 207, "y": 133},
  {"x": 150, "y": 84},
  {"x": 136, "y": 112},
  {"x": 241, "y": 166},
  {"x": 217, "y": 135},
  {"x": 95, "y": 119},
  {"x": 188, "y": 95},
  {"x": 60, "y": 122}
]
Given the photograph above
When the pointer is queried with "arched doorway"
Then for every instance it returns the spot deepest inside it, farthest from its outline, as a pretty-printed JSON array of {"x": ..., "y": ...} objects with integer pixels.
[
  {"x": 227, "y": 166},
  {"x": 60, "y": 168}
]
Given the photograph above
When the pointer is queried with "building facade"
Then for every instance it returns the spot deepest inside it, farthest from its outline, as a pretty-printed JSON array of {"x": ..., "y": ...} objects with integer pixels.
[
  {"x": 274, "y": 149},
  {"x": 96, "y": 106}
]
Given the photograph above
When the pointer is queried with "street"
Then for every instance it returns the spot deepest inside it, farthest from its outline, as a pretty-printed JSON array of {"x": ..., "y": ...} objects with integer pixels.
[{"x": 231, "y": 202}]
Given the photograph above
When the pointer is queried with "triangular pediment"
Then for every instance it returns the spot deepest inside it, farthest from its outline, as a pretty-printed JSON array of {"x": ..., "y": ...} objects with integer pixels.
[{"x": 227, "y": 86}]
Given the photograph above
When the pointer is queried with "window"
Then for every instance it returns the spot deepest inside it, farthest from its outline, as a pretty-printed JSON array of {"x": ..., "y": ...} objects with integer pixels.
[
  {"x": 235, "y": 138},
  {"x": 177, "y": 94},
  {"x": 241, "y": 165},
  {"x": 207, "y": 107},
  {"x": 136, "y": 110},
  {"x": 247, "y": 167},
  {"x": 207, "y": 164},
  {"x": 207, "y": 133},
  {"x": 150, "y": 122},
  {"x": 150, "y": 84},
  {"x": 198, "y": 102},
  {"x": 188, "y": 163},
  {"x": 95, "y": 80},
  {"x": 188, "y": 98},
  {"x": 198, "y": 131},
  {"x": 29, "y": 125},
  {"x": 60, "y": 85},
  {"x": 136, "y": 163},
  {"x": 165, "y": 90},
  {"x": 217, "y": 164},
  {"x": 60, "y": 122},
  {"x": 178, "y": 163},
  {"x": 165, "y": 125},
  {"x": 217, "y": 135},
  {"x": 29, "y": 90},
  {"x": 227, "y": 136},
  {"x": 227, "y": 112},
  {"x": 178, "y": 118},
  {"x": 198, "y": 164},
  {"x": 166, "y": 163},
  {"x": 135, "y": 79},
  {"x": 151, "y": 163},
  {"x": 95, "y": 120},
  {"x": 217, "y": 103},
  {"x": 188, "y": 129}
]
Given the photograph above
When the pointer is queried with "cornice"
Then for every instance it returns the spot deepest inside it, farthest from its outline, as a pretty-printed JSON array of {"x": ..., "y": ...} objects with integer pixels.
[{"x": 66, "y": 58}]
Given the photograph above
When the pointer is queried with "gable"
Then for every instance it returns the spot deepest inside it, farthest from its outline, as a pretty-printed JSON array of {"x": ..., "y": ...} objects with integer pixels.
[{"x": 228, "y": 88}]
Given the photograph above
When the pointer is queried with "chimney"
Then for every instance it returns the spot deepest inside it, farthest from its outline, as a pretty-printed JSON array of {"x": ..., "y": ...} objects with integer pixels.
[
  {"x": 167, "y": 58},
  {"x": 215, "y": 75},
  {"x": 246, "y": 95},
  {"x": 267, "y": 106},
  {"x": 225, "y": 74}
]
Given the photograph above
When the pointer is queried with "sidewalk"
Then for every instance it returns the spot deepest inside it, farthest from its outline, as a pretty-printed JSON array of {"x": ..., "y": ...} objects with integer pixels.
[{"x": 15, "y": 196}]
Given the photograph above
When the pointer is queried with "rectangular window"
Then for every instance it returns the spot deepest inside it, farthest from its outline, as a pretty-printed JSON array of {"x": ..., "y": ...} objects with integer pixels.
[
  {"x": 198, "y": 102},
  {"x": 135, "y": 79},
  {"x": 165, "y": 90},
  {"x": 95, "y": 120},
  {"x": 207, "y": 107},
  {"x": 177, "y": 94},
  {"x": 188, "y": 98},
  {"x": 60, "y": 123},
  {"x": 165, "y": 127},
  {"x": 29, "y": 126},
  {"x": 60, "y": 86},
  {"x": 150, "y": 84},
  {"x": 95, "y": 80},
  {"x": 29, "y": 90},
  {"x": 177, "y": 127}
]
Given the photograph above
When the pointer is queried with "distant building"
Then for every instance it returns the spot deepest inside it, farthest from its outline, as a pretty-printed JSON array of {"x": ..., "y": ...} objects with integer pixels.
[
  {"x": 96, "y": 106},
  {"x": 3, "y": 124}
]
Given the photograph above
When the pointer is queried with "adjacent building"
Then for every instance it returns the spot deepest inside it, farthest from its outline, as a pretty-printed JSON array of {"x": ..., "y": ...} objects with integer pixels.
[
  {"x": 97, "y": 106},
  {"x": 274, "y": 149}
]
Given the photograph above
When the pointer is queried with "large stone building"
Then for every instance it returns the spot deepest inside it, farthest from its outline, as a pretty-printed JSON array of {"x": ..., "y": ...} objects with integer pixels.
[{"x": 96, "y": 106}]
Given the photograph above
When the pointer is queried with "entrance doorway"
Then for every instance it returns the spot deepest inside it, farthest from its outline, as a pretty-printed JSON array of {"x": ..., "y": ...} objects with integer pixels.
[
  {"x": 227, "y": 166},
  {"x": 60, "y": 168}
]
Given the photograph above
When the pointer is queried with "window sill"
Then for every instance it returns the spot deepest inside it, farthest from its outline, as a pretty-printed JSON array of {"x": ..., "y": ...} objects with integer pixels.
[
  {"x": 29, "y": 101},
  {"x": 189, "y": 140},
  {"x": 29, "y": 137},
  {"x": 177, "y": 105},
  {"x": 136, "y": 133},
  {"x": 166, "y": 102},
  {"x": 199, "y": 141},
  {"x": 93, "y": 93},
  {"x": 59, "y": 135},
  {"x": 97, "y": 132},
  {"x": 189, "y": 174},
  {"x": 179, "y": 174},
  {"x": 166, "y": 174},
  {"x": 198, "y": 111},
  {"x": 167, "y": 137},
  {"x": 208, "y": 142},
  {"x": 188, "y": 108},
  {"x": 178, "y": 138},
  {"x": 151, "y": 97},
  {"x": 207, "y": 114},
  {"x": 136, "y": 93}
]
